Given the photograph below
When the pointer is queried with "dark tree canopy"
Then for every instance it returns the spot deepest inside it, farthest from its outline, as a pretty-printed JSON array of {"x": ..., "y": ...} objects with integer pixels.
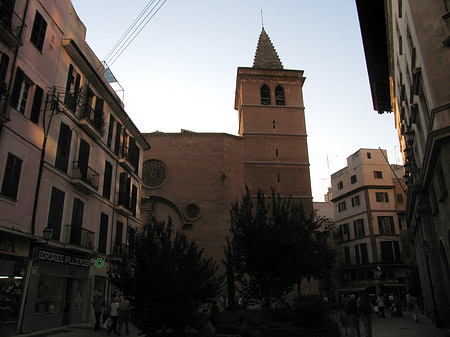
[
  {"x": 275, "y": 246},
  {"x": 165, "y": 277}
]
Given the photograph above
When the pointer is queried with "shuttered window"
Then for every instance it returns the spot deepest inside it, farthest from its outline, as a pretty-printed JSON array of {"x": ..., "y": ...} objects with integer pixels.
[
  {"x": 55, "y": 212},
  {"x": 38, "y": 32},
  {"x": 37, "y": 102},
  {"x": 63, "y": 150},
  {"x": 11, "y": 176}
]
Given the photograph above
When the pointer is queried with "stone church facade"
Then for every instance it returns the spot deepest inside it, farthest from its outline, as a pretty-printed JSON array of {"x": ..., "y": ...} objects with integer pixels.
[{"x": 195, "y": 177}]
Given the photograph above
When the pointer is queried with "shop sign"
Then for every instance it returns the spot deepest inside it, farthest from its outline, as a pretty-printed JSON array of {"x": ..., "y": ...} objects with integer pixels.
[
  {"x": 49, "y": 256},
  {"x": 14, "y": 246}
]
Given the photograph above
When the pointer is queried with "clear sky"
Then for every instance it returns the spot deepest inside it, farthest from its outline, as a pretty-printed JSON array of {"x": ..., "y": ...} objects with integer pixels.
[{"x": 180, "y": 71}]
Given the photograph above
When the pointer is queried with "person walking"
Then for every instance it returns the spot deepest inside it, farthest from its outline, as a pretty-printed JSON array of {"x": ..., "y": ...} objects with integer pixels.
[
  {"x": 351, "y": 310},
  {"x": 113, "y": 315},
  {"x": 214, "y": 314},
  {"x": 98, "y": 303},
  {"x": 365, "y": 310},
  {"x": 381, "y": 306},
  {"x": 124, "y": 315}
]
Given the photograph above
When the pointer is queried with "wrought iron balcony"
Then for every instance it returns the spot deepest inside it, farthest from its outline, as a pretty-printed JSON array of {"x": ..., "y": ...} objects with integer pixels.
[
  {"x": 120, "y": 249},
  {"x": 85, "y": 178},
  {"x": 124, "y": 204},
  {"x": 79, "y": 236},
  {"x": 92, "y": 121},
  {"x": 11, "y": 27},
  {"x": 125, "y": 159},
  {"x": 4, "y": 105}
]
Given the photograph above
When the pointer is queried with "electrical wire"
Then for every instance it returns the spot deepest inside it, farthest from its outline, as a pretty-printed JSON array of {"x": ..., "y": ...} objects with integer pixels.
[{"x": 134, "y": 30}]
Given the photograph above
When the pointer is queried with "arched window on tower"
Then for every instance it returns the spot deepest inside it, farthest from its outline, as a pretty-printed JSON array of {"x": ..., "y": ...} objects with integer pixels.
[
  {"x": 279, "y": 95},
  {"x": 265, "y": 95}
]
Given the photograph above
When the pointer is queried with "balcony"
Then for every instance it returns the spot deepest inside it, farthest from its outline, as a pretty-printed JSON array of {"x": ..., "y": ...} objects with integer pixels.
[
  {"x": 4, "y": 105},
  {"x": 125, "y": 159},
  {"x": 124, "y": 205},
  {"x": 78, "y": 237},
  {"x": 120, "y": 249},
  {"x": 92, "y": 121},
  {"x": 84, "y": 178},
  {"x": 11, "y": 27}
]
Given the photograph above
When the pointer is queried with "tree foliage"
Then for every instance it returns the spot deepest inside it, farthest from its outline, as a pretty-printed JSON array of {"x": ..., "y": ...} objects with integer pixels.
[
  {"x": 276, "y": 246},
  {"x": 165, "y": 277}
]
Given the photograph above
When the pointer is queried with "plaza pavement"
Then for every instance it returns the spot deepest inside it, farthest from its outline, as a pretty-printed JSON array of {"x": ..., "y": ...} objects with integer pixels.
[{"x": 382, "y": 327}]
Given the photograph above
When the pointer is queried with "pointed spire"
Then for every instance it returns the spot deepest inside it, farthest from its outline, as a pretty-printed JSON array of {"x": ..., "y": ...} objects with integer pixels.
[{"x": 266, "y": 56}]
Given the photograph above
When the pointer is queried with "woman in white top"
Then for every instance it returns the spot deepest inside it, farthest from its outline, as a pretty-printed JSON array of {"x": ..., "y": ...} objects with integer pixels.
[{"x": 114, "y": 315}]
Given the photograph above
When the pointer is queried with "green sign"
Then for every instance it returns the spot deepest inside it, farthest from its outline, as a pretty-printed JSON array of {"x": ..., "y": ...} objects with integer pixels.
[{"x": 99, "y": 262}]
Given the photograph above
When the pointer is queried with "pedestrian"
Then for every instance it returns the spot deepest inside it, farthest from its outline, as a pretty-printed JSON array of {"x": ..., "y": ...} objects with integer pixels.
[
  {"x": 351, "y": 310},
  {"x": 124, "y": 315},
  {"x": 381, "y": 306},
  {"x": 98, "y": 303},
  {"x": 214, "y": 314},
  {"x": 113, "y": 315},
  {"x": 365, "y": 310}
]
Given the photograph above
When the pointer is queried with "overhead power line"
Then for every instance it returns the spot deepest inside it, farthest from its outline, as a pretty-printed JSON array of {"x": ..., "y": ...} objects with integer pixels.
[{"x": 133, "y": 31}]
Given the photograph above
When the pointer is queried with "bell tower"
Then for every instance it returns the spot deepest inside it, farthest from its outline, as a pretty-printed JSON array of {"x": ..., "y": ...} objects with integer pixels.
[{"x": 270, "y": 106}]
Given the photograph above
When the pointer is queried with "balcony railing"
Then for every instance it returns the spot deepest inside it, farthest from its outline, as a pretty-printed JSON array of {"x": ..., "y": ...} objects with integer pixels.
[
  {"x": 85, "y": 175},
  {"x": 79, "y": 236},
  {"x": 4, "y": 106},
  {"x": 120, "y": 249},
  {"x": 124, "y": 204},
  {"x": 11, "y": 27},
  {"x": 94, "y": 118}
]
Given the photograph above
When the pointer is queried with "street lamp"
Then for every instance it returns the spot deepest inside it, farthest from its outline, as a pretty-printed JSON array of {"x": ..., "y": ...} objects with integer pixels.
[
  {"x": 48, "y": 233},
  {"x": 426, "y": 249}
]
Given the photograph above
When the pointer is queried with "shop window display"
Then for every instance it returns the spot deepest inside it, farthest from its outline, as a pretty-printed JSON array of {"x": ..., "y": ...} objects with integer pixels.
[
  {"x": 12, "y": 271},
  {"x": 50, "y": 295}
]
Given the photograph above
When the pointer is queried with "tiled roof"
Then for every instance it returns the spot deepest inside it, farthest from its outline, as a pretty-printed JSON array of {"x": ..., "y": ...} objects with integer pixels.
[{"x": 266, "y": 56}]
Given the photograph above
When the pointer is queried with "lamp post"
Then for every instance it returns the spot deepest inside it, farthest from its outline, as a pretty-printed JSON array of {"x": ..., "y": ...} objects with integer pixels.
[
  {"x": 47, "y": 233},
  {"x": 426, "y": 249}
]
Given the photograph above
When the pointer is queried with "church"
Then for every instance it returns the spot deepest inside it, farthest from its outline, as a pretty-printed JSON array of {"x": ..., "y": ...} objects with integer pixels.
[{"x": 195, "y": 177}]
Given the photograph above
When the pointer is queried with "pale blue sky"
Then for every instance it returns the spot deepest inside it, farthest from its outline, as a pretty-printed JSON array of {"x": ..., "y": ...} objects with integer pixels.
[{"x": 180, "y": 72}]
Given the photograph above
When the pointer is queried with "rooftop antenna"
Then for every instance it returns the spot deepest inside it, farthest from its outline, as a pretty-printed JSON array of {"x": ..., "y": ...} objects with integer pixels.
[{"x": 262, "y": 19}]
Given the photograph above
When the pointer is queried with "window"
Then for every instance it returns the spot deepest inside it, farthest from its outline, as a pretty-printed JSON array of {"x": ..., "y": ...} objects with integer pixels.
[
  {"x": 386, "y": 225},
  {"x": 133, "y": 199},
  {"x": 63, "y": 150},
  {"x": 124, "y": 190},
  {"x": 355, "y": 201},
  {"x": 4, "y": 61},
  {"x": 278, "y": 177},
  {"x": 361, "y": 256},
  {"x": 38, "y": 32},
  {"x": 134, "y": 154},
  {"x": 279, "y": 95},
  {"x": 50, "y": 295},
  {"x": 347, "y": 255},
  {"x": 98, "y": 115},
  {"x": 107, "y": 178},
  {"x": 110, "y": 130},
  {"x": 103, "y": 233},
  {"x": 274, "y": 124},
  {"x": 400, "y": 9},
  {"x": 378, "y": 174},
  {"x": 358, "y": 228},
  {"x": 118, "y": 137},
  {"x": 369, "y": 155},
  {"x": 55, "y": 212},
  {"x": 11, "y": 176},
  {"x": 382, "y": 197},
  {"x": 265, "y": 95},
  {"x": 442, "y": 185},
  {"x": 341, "y": 206},
  {"x": 21, "y": 90},
  {"x": 37, "y": 102},
  {"x": 353, "y": 179},
  {"x": 400, "y": 198},
  {"x": 400, "y": 45},
  {"x": 83, "y": 160},
  {"x": 72, "y": 89},
  {"x": 340, "y": 185},
  {"x": 390, "y": 251},
  {"x": 346, "y": 232},
  {"x": 76, "y": 227},
  {"x": 276, "y": 153}
]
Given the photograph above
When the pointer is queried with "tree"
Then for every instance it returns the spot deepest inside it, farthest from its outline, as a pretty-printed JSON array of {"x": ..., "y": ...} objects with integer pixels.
[
  {"x": 165, "y": 277},
  {"x": 276, "y": 246}
]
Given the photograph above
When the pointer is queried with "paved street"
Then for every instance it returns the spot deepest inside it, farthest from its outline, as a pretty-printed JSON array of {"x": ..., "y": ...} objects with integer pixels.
[{"x": 387, "y": 327}]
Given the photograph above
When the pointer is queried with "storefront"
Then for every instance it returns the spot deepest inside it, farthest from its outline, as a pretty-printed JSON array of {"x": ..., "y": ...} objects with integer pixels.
[
  {"x": 59, "y": 290},
  {"x": 14, "y": 252}
]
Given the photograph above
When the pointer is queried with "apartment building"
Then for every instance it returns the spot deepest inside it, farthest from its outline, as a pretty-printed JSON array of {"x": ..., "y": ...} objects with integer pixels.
[
  {"x": 369, "y": 204},
  {"x": 70, "y": 168},
  {"x": 406, "y": 44}
]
